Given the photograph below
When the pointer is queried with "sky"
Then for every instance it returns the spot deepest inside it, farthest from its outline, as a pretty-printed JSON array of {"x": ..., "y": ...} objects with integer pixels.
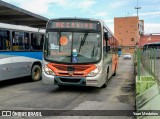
[{"x": 105, "y": 10}]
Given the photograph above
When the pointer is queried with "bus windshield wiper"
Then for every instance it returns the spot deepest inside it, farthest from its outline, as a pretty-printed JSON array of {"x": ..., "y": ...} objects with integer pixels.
[{"x": 83, "y": 40}]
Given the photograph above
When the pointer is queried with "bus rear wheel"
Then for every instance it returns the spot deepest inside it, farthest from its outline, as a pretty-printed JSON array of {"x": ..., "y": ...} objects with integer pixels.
[{"x": 36, "y": 73}]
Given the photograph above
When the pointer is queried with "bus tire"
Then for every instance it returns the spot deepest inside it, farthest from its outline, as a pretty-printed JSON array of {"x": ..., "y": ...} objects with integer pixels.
[
  {"x": 36, "y": 73},
  {"x": 106, "y": 82}
]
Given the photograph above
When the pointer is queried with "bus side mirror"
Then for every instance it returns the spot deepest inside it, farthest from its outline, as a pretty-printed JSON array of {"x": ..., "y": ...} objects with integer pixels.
[{"x": 106, "y": 36}]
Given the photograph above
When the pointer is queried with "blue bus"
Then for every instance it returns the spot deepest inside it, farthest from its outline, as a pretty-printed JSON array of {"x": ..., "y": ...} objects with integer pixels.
[{"x": 20, "y": 52}]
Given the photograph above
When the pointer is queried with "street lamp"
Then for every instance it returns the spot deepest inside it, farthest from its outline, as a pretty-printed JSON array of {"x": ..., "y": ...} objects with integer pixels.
[{"x": 137, "y": 8}]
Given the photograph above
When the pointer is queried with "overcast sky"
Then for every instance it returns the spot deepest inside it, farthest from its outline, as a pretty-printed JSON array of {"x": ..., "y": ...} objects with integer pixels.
[{"x": 99, "y": 9}]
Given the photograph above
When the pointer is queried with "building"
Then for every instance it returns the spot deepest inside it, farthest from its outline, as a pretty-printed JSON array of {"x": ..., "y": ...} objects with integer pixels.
[{"x": 128, "y": 30}]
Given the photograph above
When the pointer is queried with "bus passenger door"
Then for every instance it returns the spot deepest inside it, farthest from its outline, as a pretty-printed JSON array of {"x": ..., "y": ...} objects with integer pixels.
[
  {"x": 19, "y": 58},
  {"x": 107, "y": 55},
  {"x": 5, "y": 55}
]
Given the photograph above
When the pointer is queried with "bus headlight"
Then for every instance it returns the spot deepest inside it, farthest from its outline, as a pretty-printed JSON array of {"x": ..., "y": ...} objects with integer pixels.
[
  {"x": 48, "y": 71},
  {"x": 94, "y": 72}
]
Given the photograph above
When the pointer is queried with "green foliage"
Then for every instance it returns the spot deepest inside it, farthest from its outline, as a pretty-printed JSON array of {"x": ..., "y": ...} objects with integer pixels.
[{"x": 145, "y": 83}]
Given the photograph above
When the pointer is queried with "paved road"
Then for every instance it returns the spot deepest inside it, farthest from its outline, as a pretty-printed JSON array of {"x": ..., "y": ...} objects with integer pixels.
[{"x": 119, "y": 95}]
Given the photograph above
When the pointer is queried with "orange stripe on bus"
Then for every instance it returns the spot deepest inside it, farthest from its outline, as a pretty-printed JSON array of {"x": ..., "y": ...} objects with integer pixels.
[{"x": 79, "y": 70}]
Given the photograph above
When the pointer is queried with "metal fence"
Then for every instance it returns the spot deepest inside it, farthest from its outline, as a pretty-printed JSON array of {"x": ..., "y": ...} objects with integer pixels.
[
  {"x": 147, "y": 69},
  {"x": 148, "y": 63}
]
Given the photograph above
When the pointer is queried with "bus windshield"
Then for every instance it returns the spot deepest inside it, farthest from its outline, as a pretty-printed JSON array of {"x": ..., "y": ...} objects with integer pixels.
[{"x": 73, "y": 47}]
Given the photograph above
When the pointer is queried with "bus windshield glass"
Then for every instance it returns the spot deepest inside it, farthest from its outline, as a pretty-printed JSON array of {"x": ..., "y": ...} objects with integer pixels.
[{"x": 73, "y": 47}]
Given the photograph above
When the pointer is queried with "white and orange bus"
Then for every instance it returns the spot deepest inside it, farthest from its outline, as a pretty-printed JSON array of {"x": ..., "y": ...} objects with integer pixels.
[{"x": 81, "y": 52}]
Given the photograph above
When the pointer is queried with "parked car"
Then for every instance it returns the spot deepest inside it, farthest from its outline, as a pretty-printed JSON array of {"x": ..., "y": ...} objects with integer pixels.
[{"x": 127, "y": 56}]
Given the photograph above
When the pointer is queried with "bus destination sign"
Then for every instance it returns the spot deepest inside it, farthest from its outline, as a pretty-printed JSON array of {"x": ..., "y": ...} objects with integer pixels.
[{"x": 75, "y": 25}]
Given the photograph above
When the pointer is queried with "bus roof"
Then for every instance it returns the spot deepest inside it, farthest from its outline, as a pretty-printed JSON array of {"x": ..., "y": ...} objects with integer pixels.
[
  {"x": 152, "y": 43},
  {"x": 75, "y": 18},
  {"x": 20, "y": 28}
]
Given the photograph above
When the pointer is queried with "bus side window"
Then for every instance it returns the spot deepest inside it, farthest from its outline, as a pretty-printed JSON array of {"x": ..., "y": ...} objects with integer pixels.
[
  {"x": 37, "y": 41},
  {"x": 144, "y": 47},
  {"x": 4, "y": 40},
  {"x": 26, "y": 42},
  {"x": 110, "y": 43},
  {"x": 41, "y": 42},
  {"x": 17, "y": 40},
  {"x": 149, "y": 46},
  {"x": 105, "y": 42}
]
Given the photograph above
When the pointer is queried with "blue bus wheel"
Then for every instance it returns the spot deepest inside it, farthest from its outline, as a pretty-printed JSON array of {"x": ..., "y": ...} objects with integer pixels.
[{"x": 36, "y": 73}]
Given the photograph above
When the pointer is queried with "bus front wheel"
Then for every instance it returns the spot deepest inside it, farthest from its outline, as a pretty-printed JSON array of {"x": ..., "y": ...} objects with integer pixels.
[
  {"x": 106, "y": 82},
  {"x": 36, "y": 73}
]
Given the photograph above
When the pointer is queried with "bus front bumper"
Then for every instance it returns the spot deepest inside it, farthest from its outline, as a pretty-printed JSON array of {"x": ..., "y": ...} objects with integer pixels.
[{"x": 76, "y": 81}]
